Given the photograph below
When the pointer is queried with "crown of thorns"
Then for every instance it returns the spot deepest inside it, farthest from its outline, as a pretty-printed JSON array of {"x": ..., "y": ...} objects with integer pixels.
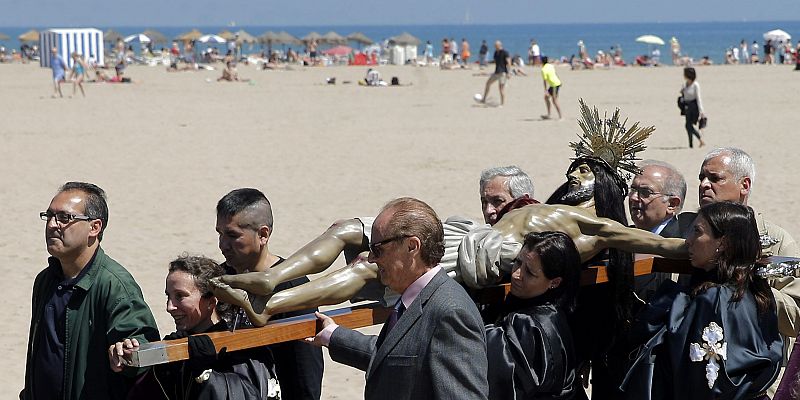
[{"x": 607, "y": 140}]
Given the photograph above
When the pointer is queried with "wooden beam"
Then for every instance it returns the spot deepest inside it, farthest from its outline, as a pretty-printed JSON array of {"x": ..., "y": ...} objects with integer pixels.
[
  {"x": 357, "y": 317},
  {"x": 274, "y": 332}
]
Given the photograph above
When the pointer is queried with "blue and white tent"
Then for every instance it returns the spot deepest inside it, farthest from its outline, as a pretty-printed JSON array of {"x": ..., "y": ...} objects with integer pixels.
[{"x": 87, "y": 42}]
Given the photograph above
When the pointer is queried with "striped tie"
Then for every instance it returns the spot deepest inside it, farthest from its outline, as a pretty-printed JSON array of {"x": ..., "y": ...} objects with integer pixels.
[{"x": 397, "y": 312}]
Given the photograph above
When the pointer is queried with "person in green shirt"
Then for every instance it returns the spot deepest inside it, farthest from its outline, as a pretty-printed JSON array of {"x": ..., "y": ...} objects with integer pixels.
[
  {"x": 551, "y": 87},
  {"x": 83, "y": 302}
]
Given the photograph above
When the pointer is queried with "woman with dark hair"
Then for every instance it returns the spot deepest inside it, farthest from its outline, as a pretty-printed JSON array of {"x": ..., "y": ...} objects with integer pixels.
[
  {"x": 718, "y": 339},
  {"x": 692, "y": 103},
  {"x": 530, "y": 346},
  {"x": 206, "y": 375}
]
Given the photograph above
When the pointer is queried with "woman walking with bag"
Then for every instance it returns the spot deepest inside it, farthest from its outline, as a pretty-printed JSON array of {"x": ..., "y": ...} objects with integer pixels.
[{"x": 693, "y": 105}]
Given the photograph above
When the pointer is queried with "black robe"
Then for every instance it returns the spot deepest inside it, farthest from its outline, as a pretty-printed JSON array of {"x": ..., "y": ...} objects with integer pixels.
[
  {"x": 530, "y": 352},
  {"x": 666, "y": 328},
  {"x": 238, "y": 375}
]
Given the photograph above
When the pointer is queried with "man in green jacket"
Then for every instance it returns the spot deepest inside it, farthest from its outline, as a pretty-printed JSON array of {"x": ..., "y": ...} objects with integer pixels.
[{"x": 83, "y": 302}]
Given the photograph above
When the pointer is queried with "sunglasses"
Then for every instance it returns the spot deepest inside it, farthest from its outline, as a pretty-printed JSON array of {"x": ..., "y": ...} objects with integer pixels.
[{"x": 375, "y": 248}]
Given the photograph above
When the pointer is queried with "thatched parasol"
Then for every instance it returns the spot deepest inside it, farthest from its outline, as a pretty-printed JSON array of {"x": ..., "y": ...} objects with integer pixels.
[
  {"x": 244, "y": 37},
  {"x": 287, "y": 38},
  {"x": 359, "y": 37},
  {"x": 333, "y": 38},
  {"x": 405, "y": 38},
  {"x": 29, "y": 36},
  {"x": 226, "y": 34},
  {"x": 312, "y": 36},
  {"x": 155, "y": 36},
  {"x": 269, "y": 37},
  {"x": 194, "y": 34},
  {"x": 111, "y": 36}
]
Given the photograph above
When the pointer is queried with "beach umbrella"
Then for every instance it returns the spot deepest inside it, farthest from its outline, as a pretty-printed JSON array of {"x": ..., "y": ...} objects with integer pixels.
[
  {"x": 194, "y": 34},
  {"x": 333, "y": 38},
  {"x": 137, "y": 37},
  {"x": 29, "y": 36},
  {"x": 777, "y": 35},
  {"x": 226, "y": 34},
  {"x": 287, "y": 38},
  {"x": 111, "y": 36},
  {"x": 155, "y": 36},
  {"x": 211, "y": 39},
  {"x": 650, "y": 39},
  {"x": 338, "y": 51},
  {"x": 269, "y": 37},
  {"x": 244, "y": 37},
  {"x": 3, "y": 36},
  {"x": 359, "y": 37},
  {"x": 404, "y": 39},
  {"x": 312, "y": 36}
]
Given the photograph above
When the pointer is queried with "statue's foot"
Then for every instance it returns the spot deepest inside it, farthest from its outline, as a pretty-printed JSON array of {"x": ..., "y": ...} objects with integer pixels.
[
  {"x": 226, "y": 294},
  {"x": 253, "y": 282}
]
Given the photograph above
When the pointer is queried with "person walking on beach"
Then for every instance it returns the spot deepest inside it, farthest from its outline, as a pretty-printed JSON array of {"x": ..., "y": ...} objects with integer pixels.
[
  {"x": 465, "y": 54},
  {"x": 551, "y": 86},
  {"x": 502, "y": 63},
  {"x": 78, "y": 73},
  {"x": 692, "y": 104},
  {"x": 483, "y": 53},
  {"x": 59, "y": 68}
]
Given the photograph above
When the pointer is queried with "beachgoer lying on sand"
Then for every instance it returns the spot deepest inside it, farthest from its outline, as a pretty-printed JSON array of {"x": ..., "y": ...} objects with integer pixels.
[{"x": 373, "y": 79}]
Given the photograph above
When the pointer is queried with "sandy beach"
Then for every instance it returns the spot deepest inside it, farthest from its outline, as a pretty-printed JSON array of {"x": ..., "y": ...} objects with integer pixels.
[{"x": 168, "y": 146}]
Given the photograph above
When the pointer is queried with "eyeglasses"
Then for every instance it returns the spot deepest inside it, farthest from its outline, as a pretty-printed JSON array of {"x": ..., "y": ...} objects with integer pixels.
[
  {"x": 643, "y": 193},
  {"x": 375, "y": 248},
  {"x": 62, "y": 217}
]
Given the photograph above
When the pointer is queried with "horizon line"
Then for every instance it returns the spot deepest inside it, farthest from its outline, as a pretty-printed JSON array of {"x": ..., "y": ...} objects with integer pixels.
[{"x": 227, "y": 25}]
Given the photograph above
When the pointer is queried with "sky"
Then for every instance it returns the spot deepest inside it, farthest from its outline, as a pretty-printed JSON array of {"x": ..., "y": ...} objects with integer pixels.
[{"x": 105, "y": 13}]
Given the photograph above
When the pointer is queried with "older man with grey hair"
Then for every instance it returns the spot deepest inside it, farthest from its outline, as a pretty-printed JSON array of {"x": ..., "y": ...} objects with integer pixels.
[
  {"x": 500, "y": 186},
  {"x": 655, "y": 200},
  {"x": 728, "y": 174}
]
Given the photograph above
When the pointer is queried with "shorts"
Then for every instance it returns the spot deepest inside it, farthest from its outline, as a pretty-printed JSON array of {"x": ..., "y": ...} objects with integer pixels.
[
  {"x": 313, "y": 54},
  {"x": 59, "y": 77},
  {"x": 553, "y": 90},
  {"x": 501, "y": 77}
]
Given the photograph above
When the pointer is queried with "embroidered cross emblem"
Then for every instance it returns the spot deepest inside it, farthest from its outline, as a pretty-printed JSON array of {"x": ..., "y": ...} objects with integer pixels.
[{"x": 712, "y": 350}]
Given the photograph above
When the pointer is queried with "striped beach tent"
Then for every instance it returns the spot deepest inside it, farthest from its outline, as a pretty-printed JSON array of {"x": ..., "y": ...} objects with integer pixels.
[{"x": 87, "y": 42}]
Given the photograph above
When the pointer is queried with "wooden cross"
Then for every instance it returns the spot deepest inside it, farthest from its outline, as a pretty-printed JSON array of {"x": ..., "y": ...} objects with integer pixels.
[{"x": 355, "y": 317}]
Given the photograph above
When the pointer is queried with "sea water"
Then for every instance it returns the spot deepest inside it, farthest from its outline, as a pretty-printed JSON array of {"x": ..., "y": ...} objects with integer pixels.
[{"x": 697, "y": 39}]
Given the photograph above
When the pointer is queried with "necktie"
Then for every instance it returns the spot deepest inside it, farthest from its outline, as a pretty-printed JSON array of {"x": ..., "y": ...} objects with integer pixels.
[{"x": 397, "y": 312}]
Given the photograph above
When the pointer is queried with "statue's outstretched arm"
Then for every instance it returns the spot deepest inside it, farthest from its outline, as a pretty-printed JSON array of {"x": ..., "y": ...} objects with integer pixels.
[
  {"x": 612, "y": 234},
  {"x": 333, "y": 288},
  {"x": 312, "y": 258}
]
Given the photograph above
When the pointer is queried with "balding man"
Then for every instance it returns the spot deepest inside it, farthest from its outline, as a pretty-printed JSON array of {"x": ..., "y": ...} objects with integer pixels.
[
  {"x": 500, "y": 186},
  {"x": 433, "y": 345},
  {"x": 655, "y": 200}
]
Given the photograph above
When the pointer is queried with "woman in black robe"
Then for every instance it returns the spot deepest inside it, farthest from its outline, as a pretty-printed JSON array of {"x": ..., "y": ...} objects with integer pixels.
[
  {"x": 718, "y": 339},
  {"x": 208, "y": 374},
  {"x": 530, "y": 346}
]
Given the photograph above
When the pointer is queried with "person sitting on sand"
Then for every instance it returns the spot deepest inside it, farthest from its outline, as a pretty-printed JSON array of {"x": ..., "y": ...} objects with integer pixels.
[{"x": 230, "y": 73}]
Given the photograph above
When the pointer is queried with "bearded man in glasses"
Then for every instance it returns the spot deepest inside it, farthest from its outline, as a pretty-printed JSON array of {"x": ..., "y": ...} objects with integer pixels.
[{"x": 83, "y": 302}]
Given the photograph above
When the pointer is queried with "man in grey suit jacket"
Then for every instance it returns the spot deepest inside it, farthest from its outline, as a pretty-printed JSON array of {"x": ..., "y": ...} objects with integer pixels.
[
  {"x": 433, "y": 345},
  {"x": 655, "y": 200}
]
